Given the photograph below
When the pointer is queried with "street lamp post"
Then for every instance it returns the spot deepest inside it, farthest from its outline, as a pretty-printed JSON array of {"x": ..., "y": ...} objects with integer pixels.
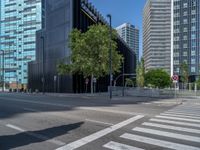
[
  {"x": 3, "y": 83},
  {"x": 43, "y": 76},
  {"x": 110, "y": 54}
]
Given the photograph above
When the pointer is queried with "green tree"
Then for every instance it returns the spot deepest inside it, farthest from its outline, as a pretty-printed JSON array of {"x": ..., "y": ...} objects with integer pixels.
[
  {"x": 157, "y": 78},
  {"x": 184, "y": 72},
  {"x": 140, "y": 72},
  {"x": 90, "y": 53},
  {"x": 129, "y": 82}
]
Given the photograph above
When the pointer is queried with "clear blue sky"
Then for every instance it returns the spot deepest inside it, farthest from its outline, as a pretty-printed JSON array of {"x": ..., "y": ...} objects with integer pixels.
[{"x": 122, "y": 11}]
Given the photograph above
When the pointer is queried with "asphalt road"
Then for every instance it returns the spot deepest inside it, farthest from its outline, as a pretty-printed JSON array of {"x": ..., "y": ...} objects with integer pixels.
[{"x": 41, "y": 122}]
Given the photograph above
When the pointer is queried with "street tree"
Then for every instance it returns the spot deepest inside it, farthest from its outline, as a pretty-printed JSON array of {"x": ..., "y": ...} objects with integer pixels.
[
  {"x": 90, "y": 53},
  {"x": 140, "y": 72},
  {"x": 184, "y": 72},
  {"x": 157, "y": 78}
]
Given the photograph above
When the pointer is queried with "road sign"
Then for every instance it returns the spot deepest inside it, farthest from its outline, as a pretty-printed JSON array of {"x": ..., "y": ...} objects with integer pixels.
[{"x": 175, "y": 78}]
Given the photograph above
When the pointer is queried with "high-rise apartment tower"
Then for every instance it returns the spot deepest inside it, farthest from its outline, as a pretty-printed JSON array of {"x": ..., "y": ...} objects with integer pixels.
[
  {"x": 20, "y": 19},
  {"x": 157, "y": 34},
  {"x": 130, "y": 34}
]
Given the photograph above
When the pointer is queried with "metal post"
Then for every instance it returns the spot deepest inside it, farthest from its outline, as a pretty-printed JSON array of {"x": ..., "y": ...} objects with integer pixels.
[
  {"x": 43, "y": 76},
  {"x": 110, "y": 54},
  {"x": 123, "y": 80},
  {"x": 3, "y": 83}
]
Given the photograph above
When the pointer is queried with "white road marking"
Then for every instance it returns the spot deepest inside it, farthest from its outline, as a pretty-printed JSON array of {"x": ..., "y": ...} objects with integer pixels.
[
  {"x": 100, "y": 122},
  {"x": 176, "y": 122},
  {"x": 176, "y": 118},
  {"x": 156, "y": 142},
  {"x": 171, "y": 127},
  {"x": 182, "y": 116},
  {"x": 118, "y": 146},
  {"x": 15, "y": 127},
  {"x": 168, "y": 134},
  {"x": 175, "y": 113},
  {"x": 54, "y": 141},
  {"x": 99, "y": 134},
  {"x": 184, "y": 112}
]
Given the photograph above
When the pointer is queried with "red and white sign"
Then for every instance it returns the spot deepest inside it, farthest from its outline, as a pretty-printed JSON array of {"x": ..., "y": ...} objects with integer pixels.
[{"x": 175, "y": 77}]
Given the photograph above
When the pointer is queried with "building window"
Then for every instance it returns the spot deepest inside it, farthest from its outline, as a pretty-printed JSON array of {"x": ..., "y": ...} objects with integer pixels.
[
  {"x": 193, "y": 36},
  {"x": 193, "y": 53},
  {"x": 193, "y": 61},
  {"x": 185, "y": 21},
  {"x": 193, "y": 28},
  {"x": 185, "y": 5},
  {"x": 193, "y": 69}
]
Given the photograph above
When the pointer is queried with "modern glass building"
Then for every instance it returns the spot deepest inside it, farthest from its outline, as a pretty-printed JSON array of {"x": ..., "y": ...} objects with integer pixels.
[
  {"x": 20, "y": 19},
  {"x": 59, "y": 18},
  {"x": 157, "y": 34},
  {"x": 130, "y": 34},
  {"x": 186, "y": 36}
]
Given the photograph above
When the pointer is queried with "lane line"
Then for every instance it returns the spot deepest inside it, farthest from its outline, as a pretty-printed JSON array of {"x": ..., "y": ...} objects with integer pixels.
[
  {"x": 157, "y": 142},
  {"x": 38, "y": 136},
  {"x": 15, "y": 127},
  {"x": 99, "y": 134},
  {"x": 118, "y": 146},
  {"x": 177, "y": 118},
  {"x": 183, "y": 116},
  {"x": 176, "y": 122},
  {"x": 168, "y": 134},
  {"x": 100, "y": 122},
  {"x": 171, "y": 127}
]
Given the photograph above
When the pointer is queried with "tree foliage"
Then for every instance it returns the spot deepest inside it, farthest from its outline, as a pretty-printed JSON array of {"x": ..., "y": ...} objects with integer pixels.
[
  {"x": 157, "y": 78},
  {"x": 184, "y": 72},
  {"x": 90, "y": 52},
  {"x": 140, "y": 72},
  {"x": 129, "y": 82}
]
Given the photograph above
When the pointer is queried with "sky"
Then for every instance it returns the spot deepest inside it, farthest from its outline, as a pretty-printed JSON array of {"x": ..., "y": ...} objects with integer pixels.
[{"x": 122, "y": 11}]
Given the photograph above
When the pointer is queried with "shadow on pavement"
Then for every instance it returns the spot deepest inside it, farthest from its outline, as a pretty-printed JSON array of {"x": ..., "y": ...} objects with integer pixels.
[
  {"x": 25, "y": 138},
  {"x": 15, "y": 104}
]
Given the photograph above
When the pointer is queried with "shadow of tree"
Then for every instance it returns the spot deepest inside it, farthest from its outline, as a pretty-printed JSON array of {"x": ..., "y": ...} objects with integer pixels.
[{"x": 21, "y": 139}]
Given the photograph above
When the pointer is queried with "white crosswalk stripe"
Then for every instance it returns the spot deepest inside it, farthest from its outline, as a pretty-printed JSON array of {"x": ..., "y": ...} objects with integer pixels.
[
  {"x": 184, "y": 112},
  {"x": 176, "y": 115},
  {"x": 178, "y": 118},
  {"x": 118, "y": 146},
  {"x": 168, "y": 134},
  {"x": 157, "y": 142},
  {"x": 176, "y": 122},
  {"x": 171, "y": 127},
  {"x": 181, "y": 124}
]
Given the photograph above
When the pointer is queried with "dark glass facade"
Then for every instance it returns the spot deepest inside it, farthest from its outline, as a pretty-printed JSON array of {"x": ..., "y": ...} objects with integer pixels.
[
  {"x": 187, "y": 36},
  {"x": 61, "y": 16}
]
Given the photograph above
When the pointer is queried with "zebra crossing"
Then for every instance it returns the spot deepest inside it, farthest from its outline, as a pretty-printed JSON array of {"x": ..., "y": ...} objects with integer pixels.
[{"x": 178, "y": 128}]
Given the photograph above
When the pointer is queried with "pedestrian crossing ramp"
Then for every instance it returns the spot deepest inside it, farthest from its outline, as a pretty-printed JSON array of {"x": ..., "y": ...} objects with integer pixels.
[{"x": 177, "y": 129}]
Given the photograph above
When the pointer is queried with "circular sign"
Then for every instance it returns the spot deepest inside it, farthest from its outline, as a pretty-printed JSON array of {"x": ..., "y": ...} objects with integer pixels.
[{"x": 175, "y": 77}]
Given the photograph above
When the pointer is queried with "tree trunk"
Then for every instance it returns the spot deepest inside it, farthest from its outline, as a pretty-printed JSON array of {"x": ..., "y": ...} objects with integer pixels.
[{"x": 91, "y": 83}]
